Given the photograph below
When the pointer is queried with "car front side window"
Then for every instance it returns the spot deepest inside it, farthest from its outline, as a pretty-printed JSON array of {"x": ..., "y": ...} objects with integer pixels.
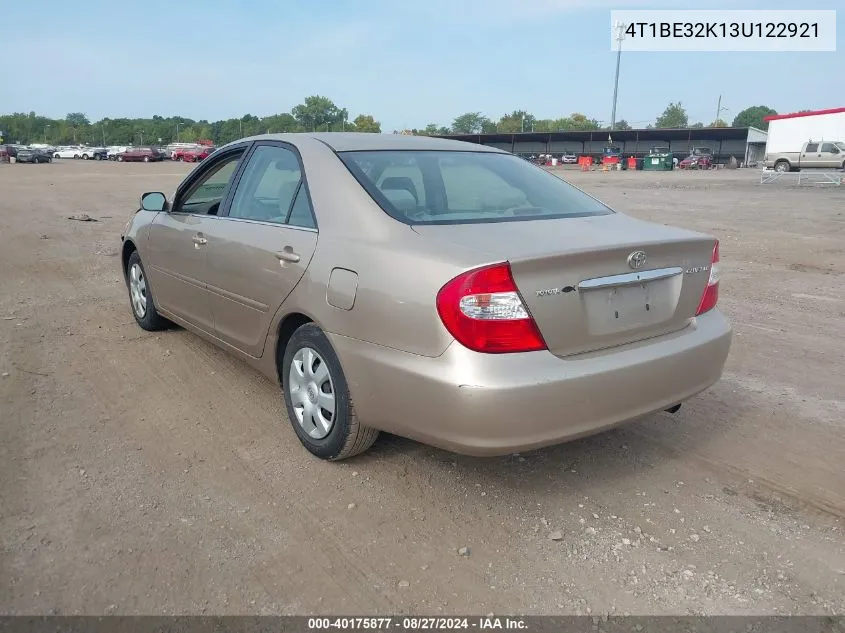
[{"x": 205, "y": 195}]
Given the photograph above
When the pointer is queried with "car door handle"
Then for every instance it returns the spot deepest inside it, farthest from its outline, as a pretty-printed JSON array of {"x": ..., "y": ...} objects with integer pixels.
[
  {"x": 287, "y": 255},
  {"x": 199, "y": 240}
]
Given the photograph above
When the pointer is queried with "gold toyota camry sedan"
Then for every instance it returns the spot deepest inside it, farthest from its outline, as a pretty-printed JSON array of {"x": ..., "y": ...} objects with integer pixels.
[{"x": 443, "y": 291}]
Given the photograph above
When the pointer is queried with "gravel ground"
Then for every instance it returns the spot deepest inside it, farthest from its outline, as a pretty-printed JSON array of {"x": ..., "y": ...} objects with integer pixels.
[{"x": 152, "y": 473}]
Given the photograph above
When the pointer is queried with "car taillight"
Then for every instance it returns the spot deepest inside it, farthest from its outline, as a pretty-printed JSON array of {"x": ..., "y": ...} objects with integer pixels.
[
  {"x": 484, "y": 311},
  {"x": 711, "y": 292}
]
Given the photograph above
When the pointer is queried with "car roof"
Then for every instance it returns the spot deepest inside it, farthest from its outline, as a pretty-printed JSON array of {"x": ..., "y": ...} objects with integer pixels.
[{"x": 362, "y": 141}]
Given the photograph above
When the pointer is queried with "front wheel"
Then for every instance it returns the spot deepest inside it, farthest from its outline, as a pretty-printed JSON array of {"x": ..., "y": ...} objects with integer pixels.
[
  {"x": 317, "y": 398},
  {"x": 120, "y": 159},
  {"x": 141, "y": 298},
  {"x": 56, "y": 156},
  {"x": 146, "y": 159},
  {"x": 85, "y": 157}
]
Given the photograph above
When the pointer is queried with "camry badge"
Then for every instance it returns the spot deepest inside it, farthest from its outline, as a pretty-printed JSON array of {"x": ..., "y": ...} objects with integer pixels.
[{"x": 637, "y": 259}]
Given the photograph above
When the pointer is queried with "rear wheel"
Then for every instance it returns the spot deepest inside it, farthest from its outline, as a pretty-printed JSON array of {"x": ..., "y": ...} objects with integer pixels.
[
  {"x": 317, "y": 397},
  {"x": 120, "y": 159},
  {"x": 782, "y": 166},
  {"x": 146, "y": 159},
  {"x": 56, "y": 156},
  {"x": 85, "y": 157}
]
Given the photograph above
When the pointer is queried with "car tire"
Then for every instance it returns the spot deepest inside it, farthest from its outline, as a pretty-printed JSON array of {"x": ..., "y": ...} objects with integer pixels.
[
  {"x": 85, "y": 157},
  {"x": 76, "y": 157},
  {"x": 56, "y": 156},
  {"x": 181, "y": 159},
  {"x": 120, "y": 159},
  {"x": 146, "y": 159},
  {"x": 311, "y": 371},
  {"x": 782, "y": 166},
  {"x": 141, "y": 297}
]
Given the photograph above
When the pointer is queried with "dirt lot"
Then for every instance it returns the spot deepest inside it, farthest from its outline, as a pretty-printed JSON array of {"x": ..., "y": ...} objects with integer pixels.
[{"x": 152, "y": 473}]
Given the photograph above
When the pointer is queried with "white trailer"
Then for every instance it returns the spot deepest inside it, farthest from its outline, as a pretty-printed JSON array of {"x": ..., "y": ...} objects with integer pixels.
[{"x": 789, "y": 132}]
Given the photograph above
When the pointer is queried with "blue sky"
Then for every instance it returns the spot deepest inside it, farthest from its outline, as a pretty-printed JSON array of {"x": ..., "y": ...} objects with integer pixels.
[{"x": 407, "y": 62}]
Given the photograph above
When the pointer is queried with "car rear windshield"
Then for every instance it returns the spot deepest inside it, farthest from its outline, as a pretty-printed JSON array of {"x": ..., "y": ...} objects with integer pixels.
[{"x": 449, "y": 187}]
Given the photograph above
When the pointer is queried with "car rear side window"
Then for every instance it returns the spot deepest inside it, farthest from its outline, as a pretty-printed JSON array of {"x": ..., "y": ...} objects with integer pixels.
[
  {"x": 449, "y": 187},
  {"x": 268, "y": 186},
  {"x": 812, "y": 147}
]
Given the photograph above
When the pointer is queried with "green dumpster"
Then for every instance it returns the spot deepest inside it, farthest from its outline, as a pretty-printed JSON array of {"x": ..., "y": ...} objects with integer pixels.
[{"x": 658, "y": 159}]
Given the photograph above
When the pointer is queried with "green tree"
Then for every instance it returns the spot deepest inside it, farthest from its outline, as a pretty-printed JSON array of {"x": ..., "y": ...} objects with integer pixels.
[
  {"x": 699, "y": 124},
  {"x": 366, "y": 123},
  {"x": 77, "y": 122},
  {"x": 578, "y": 121},
  {"x": 673, "y": 116},
  {"x": 317, "y": 113},
  {"x": 280, "y": 123},
  {"x": 517, "y": 121},
  {"x": 718, "y": 123},
  {"x": 469, "y": 123},
  {"x": 754, "y": 117},
  {"x": 622, "y": 124},
  {"x": 77, "y": 119}
]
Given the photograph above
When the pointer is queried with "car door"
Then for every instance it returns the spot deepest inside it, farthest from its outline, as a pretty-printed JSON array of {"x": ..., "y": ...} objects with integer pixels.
[
  {"x": 178, "y": 241},
  {"x": 811, "y": 156},
  {"x": 830, "y": 158},
  {"x": 261, "y": 246}
]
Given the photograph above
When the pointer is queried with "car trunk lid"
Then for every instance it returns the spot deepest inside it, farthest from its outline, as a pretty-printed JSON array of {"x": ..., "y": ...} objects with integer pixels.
[{"x": 577, "y": 281}]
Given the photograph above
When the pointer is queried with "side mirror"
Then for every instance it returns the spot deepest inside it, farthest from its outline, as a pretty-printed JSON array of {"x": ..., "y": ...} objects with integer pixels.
[{"x": 154, "y": 201}]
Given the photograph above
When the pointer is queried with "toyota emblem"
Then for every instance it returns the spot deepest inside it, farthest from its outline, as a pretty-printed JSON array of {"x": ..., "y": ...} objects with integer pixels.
[{"x": 637, "y": 259}]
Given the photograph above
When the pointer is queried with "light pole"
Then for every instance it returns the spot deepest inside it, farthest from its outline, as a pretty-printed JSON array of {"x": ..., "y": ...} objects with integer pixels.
[
  {"x": 177, "y": 132},
  {"x": 620, "y": 35},
  {"x": 103, "y": 126},
  {"x": 719, "y": 109},
  {"x": 46, "y": 132}
]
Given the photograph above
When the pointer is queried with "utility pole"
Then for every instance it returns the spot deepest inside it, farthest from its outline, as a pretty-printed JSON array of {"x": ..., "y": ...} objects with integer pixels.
[
  {"x": 719, "y": 110},
  {"x": 620, "y": 35}
]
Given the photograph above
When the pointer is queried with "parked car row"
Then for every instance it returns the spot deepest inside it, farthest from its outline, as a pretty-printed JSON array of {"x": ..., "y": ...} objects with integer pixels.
[
  {"x": 80, "y": 152},
  {"x": 119, "y": 153},
  {"x": 23, "y": 154}
]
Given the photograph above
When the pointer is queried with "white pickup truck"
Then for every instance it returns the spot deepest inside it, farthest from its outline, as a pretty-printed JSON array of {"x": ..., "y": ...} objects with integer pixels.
[{"x": 813, "y": 155}]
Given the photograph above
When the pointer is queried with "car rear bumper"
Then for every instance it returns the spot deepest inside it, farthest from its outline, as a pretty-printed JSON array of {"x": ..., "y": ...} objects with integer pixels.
[{"x": 493, "y": 404}]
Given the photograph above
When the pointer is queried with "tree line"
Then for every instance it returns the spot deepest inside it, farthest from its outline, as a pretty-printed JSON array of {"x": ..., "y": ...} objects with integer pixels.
[{"x": 316, "y": 113}]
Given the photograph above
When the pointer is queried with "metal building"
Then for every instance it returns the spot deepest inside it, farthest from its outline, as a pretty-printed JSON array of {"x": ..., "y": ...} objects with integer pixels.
[{"x": 746, "y": 144}]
